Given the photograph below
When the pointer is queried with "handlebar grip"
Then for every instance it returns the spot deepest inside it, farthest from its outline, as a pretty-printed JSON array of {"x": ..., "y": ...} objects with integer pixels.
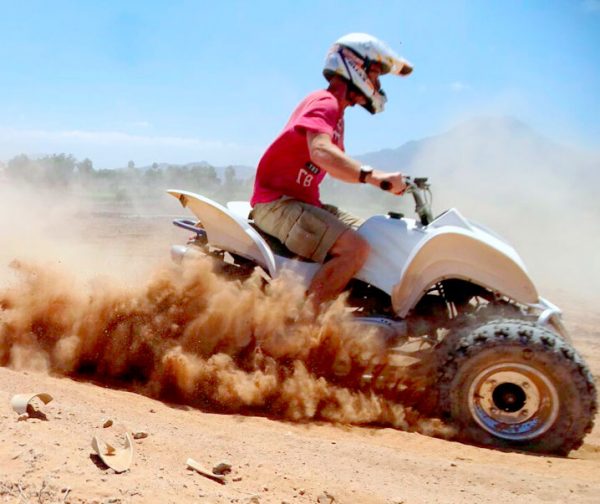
[{"x": 385, "y": 185}]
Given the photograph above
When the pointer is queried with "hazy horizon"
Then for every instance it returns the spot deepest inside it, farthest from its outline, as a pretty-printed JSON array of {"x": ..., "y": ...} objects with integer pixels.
[{"x": 181, "y": 161}]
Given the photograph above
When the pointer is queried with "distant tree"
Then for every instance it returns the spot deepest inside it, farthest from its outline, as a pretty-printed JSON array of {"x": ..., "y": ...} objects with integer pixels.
[
  {"x": 85, "y": 171},
  {"x": 131, "y": 165},
  {"x": 20, "y": 168},
  {"x": 58, "y": 169},
  {"x": 203, "y": 177},
  {"x": 212, "y": 174},
  {"x": 85, "y": 168},
  {"x": 230, "y": 176},
  {"x": 153, "y": 176}
]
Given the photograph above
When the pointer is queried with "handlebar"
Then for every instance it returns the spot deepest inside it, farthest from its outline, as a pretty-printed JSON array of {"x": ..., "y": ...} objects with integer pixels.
[{"x": 419, "y": 188}]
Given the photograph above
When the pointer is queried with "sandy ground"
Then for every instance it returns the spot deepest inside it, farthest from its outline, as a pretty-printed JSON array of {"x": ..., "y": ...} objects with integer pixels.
[{"x": 273, "y": 461}]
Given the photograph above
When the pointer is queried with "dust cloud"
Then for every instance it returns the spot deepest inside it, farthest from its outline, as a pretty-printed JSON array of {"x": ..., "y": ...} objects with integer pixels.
[
  {"x": 71, "y": 305},
  {"x": 46, "y": 226}
]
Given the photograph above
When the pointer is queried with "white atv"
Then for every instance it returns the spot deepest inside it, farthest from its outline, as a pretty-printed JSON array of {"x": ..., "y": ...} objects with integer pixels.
[{"x": 458, "y": 310}]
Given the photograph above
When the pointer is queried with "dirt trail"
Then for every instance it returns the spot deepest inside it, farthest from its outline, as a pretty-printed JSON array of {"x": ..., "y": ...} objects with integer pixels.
[{"x": 274, "y": 459}]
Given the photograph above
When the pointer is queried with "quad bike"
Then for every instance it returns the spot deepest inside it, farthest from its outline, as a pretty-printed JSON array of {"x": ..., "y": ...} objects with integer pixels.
[{"x": 451, "y": 297}]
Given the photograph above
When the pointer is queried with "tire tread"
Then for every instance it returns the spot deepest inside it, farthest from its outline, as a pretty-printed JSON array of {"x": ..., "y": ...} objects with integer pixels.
[{"x": 463, "y": 345}]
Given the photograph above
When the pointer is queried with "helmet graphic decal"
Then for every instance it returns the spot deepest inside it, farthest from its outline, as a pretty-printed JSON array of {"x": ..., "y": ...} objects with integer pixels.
[{"x": 350, "y": 58}]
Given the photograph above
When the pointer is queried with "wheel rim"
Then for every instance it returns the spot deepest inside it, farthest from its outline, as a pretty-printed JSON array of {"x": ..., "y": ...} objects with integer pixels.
[{"x": 513, "y": 401}]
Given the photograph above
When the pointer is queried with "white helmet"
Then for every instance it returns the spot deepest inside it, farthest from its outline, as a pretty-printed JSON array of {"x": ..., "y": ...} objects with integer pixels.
[{"x": 350, "y": 57}]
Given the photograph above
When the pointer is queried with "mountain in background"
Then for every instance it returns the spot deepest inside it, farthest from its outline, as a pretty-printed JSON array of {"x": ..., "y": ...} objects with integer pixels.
[{"x": 500, "y": 148}]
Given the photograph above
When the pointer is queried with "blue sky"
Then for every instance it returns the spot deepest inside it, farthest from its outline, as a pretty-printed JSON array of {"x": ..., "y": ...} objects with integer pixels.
[{"x": 184, "y": 81}]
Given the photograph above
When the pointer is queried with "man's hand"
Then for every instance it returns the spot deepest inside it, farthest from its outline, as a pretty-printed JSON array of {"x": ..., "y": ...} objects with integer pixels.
[{"x": 395, "y": 181}]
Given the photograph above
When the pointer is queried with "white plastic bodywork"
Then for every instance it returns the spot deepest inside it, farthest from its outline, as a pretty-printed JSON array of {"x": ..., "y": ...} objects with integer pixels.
[
  {"x": 304, "y": 269},
  {"x": 239, "y": 208},
  {"x": 405, "y": 260},
  {"x": 227, "y": 231}
]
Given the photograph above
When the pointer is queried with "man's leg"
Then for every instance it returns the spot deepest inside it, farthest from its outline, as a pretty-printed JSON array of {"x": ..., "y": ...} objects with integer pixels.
[
  {"x": 347, "y": 256},
  {"x": 318, "y": 234}
]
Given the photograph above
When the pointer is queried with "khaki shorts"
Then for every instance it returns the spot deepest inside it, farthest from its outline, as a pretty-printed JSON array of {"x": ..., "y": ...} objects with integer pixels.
[{"x": 305, "y": 229}]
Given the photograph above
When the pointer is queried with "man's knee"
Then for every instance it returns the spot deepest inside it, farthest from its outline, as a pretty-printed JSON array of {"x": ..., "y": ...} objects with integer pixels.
[{"x": 351, "y": 246}]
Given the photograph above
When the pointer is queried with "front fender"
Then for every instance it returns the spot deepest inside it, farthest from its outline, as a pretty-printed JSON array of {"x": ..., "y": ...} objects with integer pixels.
[{"x": 459, "y": 254}]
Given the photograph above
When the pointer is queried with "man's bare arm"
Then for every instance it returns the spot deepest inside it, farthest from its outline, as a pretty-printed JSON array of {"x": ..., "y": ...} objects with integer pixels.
[{"x": 325, "y": 154}]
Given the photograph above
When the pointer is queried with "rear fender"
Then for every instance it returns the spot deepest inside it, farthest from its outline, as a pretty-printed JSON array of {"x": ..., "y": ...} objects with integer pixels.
[{"x": 228, "y": 231}]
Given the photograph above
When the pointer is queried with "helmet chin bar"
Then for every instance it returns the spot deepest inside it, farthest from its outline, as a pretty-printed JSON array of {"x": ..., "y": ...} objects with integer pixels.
[
  {"x": 378, "y": 95},
  {"x": 353, "y": 91}
]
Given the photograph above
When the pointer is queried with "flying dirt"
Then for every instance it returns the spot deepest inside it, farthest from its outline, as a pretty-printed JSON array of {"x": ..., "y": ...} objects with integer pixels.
[{"x": 189, "y": 336}]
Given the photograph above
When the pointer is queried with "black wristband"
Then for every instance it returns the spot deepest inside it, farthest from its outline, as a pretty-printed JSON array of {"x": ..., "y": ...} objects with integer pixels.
[{"x": 365, "y": 171}]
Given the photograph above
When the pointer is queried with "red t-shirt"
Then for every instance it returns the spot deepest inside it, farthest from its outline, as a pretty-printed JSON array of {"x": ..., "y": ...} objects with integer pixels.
[{"x": 285, "y": 168}]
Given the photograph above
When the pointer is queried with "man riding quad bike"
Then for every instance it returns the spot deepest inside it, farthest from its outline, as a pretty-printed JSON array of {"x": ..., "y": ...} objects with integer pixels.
[
  {"x": 452, "y": 300},
  {"x": 456, "y": 309}
]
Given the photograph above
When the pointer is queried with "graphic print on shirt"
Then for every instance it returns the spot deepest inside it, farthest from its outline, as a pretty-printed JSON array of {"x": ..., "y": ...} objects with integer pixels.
[{"x": 307, "y": 174}]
